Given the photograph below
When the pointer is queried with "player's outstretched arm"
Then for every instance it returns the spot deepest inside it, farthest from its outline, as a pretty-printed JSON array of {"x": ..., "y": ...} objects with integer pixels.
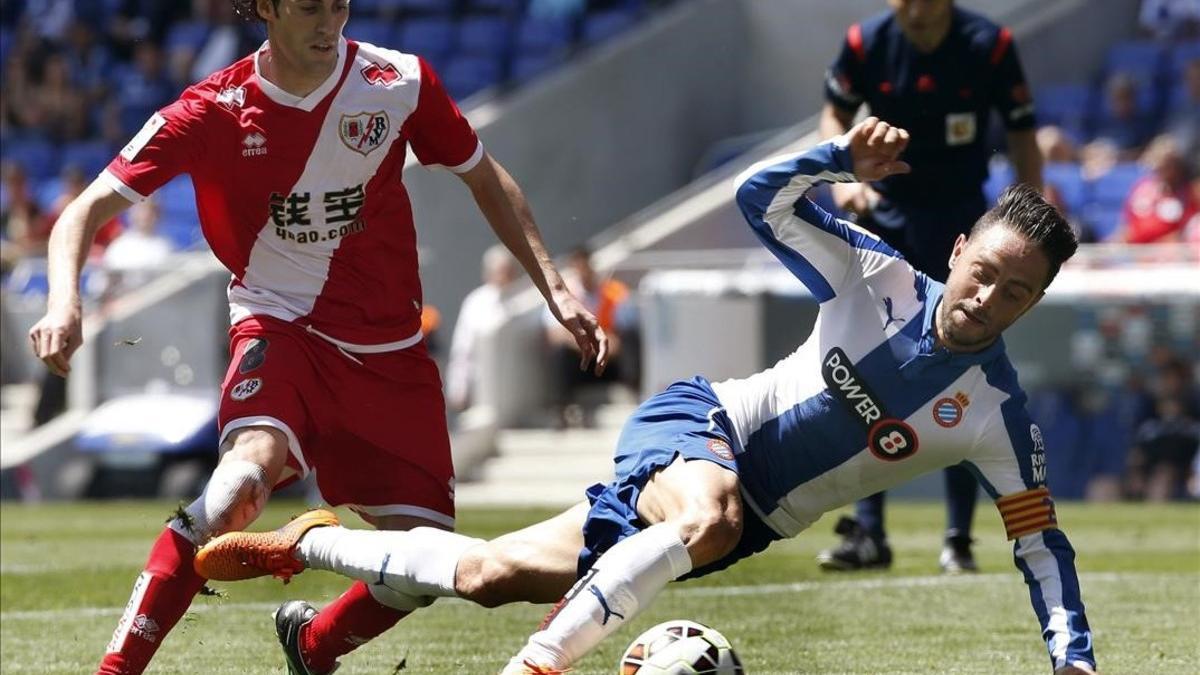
[
  {"x": 57, "y": 335},
  {"x": 503, "y": 204},
  {"x": 826, "y": 254}
]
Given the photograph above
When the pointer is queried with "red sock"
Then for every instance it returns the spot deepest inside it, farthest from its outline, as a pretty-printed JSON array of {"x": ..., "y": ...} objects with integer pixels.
[
  {"x": 161, "y": 594},
  {"x": 346, "y": 623}
]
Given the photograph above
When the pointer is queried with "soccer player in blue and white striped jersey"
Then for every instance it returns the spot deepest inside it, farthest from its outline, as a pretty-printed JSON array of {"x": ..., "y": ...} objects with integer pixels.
[{"x": 902, "y": 375}]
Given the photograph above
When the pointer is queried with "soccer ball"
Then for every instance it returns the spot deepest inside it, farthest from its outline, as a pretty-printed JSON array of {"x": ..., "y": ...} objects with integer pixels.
[{"x": 680, "y": 647}]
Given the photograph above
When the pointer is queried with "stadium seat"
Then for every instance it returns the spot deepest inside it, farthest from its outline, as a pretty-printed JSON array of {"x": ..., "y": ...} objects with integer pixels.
[
  {"x": 601, "y": 26},
  {"x": 466, "y": 75},
  {"x": 539, "y": 35},
  {"x": 46, "y": 191},
  {"x": 1144, "y": 60},
  {"x": 1101, "y": 220},
  {"x": 1066, "y": 106},
  {"x": 90, "y": 156},
  {"x": 426, "y": 6},
  {"x": 187, "y": 35},
  {"x": 485, "y": 36},
  {"x": 1113, "y": 187},
  {"x": 430, "y": 37},
  {"x": 1180, "y": 55},
  {"x": 375, "y": 32},
  {"x": 177, "y": 203},
  {"x": 525, "y": 67},
  {"x": 37, "y": 156},
  {"x": 1069, "y": 181},
  {"x": 509, "y": 7},
  {"x": 1000, "y": 176}
]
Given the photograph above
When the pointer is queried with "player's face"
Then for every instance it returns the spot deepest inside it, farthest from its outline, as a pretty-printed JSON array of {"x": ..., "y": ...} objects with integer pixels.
[
  {"x": 306, "y": 31},
  {"x": 922, "y": 21},
  {"x": 995, "y": 277}
]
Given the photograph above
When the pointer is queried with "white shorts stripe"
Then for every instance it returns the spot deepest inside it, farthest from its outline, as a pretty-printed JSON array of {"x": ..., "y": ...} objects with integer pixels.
[
  {"x": 403, "y": 510},
  {"x": 274, "y": 423}
]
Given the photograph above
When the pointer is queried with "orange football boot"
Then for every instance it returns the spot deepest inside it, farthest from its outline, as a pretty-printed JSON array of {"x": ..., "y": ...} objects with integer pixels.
[{"x": 245, "y": 555}]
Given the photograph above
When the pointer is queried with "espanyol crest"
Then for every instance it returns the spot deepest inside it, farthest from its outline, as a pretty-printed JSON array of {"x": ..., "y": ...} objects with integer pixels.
[{"x": 364, "y": 132}]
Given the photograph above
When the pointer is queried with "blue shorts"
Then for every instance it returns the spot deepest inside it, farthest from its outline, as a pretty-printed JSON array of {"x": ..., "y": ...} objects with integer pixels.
[{"x": 686, "y": 420}]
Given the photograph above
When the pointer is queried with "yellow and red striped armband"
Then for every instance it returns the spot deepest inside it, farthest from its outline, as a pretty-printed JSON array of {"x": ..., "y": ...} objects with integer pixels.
[{"x": 1027, "y": 512}]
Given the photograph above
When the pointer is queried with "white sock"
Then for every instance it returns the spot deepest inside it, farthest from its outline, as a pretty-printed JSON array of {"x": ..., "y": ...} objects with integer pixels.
[
  {"x": 622, "y": 582},
  {"x": 235, "y": 484},
  {"x": 419, "y": 562}
]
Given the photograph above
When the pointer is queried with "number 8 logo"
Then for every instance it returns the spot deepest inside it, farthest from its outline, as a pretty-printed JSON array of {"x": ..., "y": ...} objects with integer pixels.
[{"x": 891, "y": 440}]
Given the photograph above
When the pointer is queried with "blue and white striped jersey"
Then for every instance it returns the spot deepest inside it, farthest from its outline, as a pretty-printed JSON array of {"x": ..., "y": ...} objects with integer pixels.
[{"x": 868, "y": 401}]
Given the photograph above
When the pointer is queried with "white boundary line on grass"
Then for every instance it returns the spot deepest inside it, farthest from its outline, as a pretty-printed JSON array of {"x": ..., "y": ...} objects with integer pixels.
[{"x": 702, "y": 591}]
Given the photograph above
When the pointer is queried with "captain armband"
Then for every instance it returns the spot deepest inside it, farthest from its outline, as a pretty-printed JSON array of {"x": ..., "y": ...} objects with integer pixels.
[{"x": 1027, "y": 512}]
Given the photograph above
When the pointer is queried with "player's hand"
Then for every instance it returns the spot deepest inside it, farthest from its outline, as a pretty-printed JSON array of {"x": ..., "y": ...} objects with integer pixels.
[
  {"x": 56, "y": 336},
  {"x": 584, "y": 328},
  {"x": 857, "y": 198},
  {"x": 1074, "y": 670},
  {"x": 875, "y": 147}
]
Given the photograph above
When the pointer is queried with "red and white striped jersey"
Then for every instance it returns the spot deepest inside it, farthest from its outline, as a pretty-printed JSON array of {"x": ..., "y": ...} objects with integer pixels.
[{"x": 301, "y": 197}]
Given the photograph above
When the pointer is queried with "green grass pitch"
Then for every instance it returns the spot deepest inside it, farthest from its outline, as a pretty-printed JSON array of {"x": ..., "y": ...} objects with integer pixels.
[{"x": 66, "y": 571}]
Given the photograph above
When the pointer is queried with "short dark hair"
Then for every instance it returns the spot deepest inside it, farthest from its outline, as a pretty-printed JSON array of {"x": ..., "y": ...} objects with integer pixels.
[
  {"x": 247, "y": 10},
  {"x": 1023, "y": 210}
]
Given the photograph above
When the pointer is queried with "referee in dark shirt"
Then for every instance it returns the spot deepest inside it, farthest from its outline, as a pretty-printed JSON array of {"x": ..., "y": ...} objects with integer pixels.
[{"x": 938, "y": 71}]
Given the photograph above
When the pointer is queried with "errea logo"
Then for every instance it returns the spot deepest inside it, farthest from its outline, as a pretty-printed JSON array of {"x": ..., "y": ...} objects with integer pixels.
[{"x": 254, "y": 144}]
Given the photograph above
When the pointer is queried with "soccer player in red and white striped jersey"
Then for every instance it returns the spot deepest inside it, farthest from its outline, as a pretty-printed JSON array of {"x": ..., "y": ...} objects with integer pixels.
[{"x": 296, "y": 153}]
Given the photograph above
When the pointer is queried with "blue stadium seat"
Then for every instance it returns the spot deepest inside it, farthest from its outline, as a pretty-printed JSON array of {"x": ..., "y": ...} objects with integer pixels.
[
  {"x": 375, "y": 32},
  {"x": 525, "y": 67},
  {"x": 426, "y": 6},
  {"x": 431, "y": 37},
  {"x": 1112, "y": 188},
  {"x": 1000, "y": 176},
  {"x": 189, "y": 35},
  {"x": 509, "y": 7},
  {"x": 1069, "y": 181},
  {"x": 485, "y": 36},
  {"x": 1066, "y": 106},
  {"x": 465, "y": 75},
  {"x": 1143, "y": 60},
  {"x": 177, "y": 202},
  {"x": 37, "y": 156},
  {"x": 1180, "y": 55},
  {"x": 1101, "y": 220},
  {"x": 538, "y": 35},
  {"x": 90, "y": 156},
  {"x": 46, "y": 191},
  {"x": 601, "y": 26}
]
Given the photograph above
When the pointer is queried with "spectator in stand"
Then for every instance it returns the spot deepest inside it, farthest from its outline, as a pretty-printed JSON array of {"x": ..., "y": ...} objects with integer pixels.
[
  {"x": 1166, "y": 444},
  {"x": 88, "y": 61},
  {"x": 1161, "y": 204},
  {"x": 609, "y": 300},
  {"x": 25, "y": 231},
  {"x": 16, "y": 93},
  {"x": 135, "y": 254},
  {"x": 1056, "y": 146},
  {"x": 60, "y": 106},
  {"x": 1183, "y": 119},
  {"x": 1167, "y": 19},
  {"x": 145, "y": 89},
  {"x": 1122, "y": 124},
  {"x": 483, "y": 310}
]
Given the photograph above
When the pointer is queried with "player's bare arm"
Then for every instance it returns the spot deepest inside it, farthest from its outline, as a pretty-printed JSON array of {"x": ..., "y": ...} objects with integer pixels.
[
  {"x": 503, "y": 204},
  {"x": 1025, "y": 156},
  {"x": 57, "y": 335}
]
